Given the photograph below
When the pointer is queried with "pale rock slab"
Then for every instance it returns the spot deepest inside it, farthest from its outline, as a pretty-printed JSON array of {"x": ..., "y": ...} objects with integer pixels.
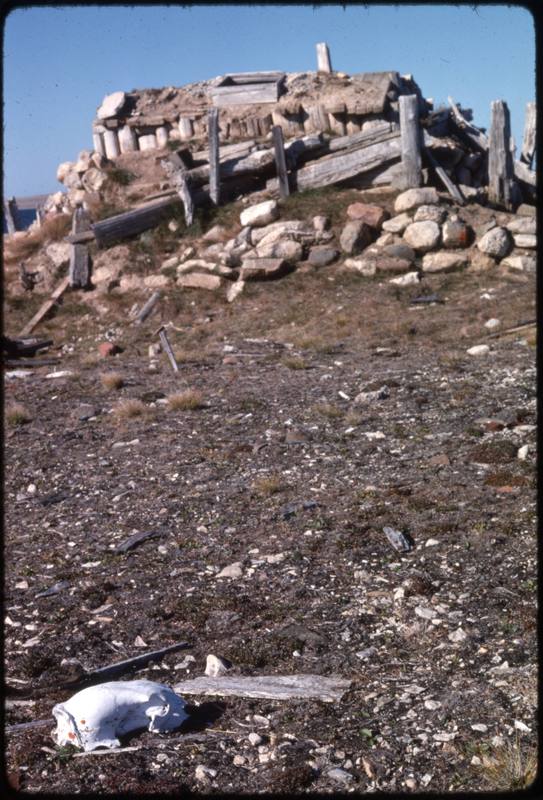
[
  {"x": 409, "y": 279},
  {"x": 215, "y": 665},
  {"x": 156, "y": 281},
  {"x": 234, "y": 290},
  {"x": 111, "y": 105},
  {"x": 372, "y": 215},
  {"x": 197, "y": 280},
  {"x": 231, "y": 571},
  {"x": 397, "y": 224},
  {"x": 526, "y": 240},
  {"x": 355, "y": 237},
  {"x": 274, "y": 231},
  {"x": 412, "y": 198},
  {"x": 321, "y": 223},
  {"x": 260, "y": 215},
  {"x": 478, "y": 350},
  {"x": 444, "y": 261},
  {"x": 284, "y": 248},
  {"x": 520, "y": 263},
  {"x": 364, "y": 266},
  {"x": 496, "y": 242},
  {"x": 422, "y": 236},
  {"x": 521, "y": 225},
  {"x": 430, "y": 214},
  {"x": 262, "y": 268}
]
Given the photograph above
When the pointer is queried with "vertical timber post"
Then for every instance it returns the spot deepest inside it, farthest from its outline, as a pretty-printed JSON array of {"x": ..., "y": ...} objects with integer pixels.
[
  {"x": 528, "y": 141},
  {"x": 213, "y": 133},
  {"x": 323, "y": 58},
  {"x": 500, "y": 161},
  {"x": 280, "y": 160},
  {"x": 79, "y": 269},
  {"x": 410, "y": 141},
  {"x": 10, "y": 212}
]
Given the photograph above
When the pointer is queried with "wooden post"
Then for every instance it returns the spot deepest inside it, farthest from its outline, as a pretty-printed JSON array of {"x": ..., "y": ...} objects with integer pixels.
[
  {"x": 147, "y": 308},
  {"x": 10, "y": 211},
  {"x": 411, "y": 141},
  {"x": 500, "y": 162},
  {"x": 79, "y": 270},
  {"x": 323, "y": 58},
  {"x": 178, "y": 177},
  {"x": 166, "y": 346},
  {"x": 528, "y": 141},
  {"x": 280, "y": 161},
  {"x": 213, "y": 147}
]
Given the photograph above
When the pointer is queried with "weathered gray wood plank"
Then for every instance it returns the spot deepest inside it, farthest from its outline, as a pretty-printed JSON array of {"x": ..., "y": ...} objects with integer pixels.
[
  {"x": 451, "y": 187},
  {"x": 132, "y": 222},
  {"x": 79, "y": 270},
  {"x": 10, "y": 212},
  {"x": 500, "y": 161},
  {"x": 46, "y": 307},
  {"x": 362, "y": 138},
  {"x": 244, "y": 95},
  {"x": 280, "y": 160},
  {"x": 529, "y": 137},
  {"x": 469, "y": 132},
  {"x": 214, "y": 163},
  {"x": 272, "y": 687},
  {"x": 147, "y": 308},
  {"x": 178, "y": 177},
  {"x": 411, "y": 141},
  {"x": 323, "y": 58}
]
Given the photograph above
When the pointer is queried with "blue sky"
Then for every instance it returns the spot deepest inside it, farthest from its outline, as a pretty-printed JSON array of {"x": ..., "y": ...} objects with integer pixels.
[{"x": 60, "y": 61}]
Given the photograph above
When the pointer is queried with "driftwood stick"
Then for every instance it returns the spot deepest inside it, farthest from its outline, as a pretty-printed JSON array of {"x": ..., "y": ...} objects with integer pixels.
[
  {"x": 529, "y": 138},
  {"x": 147, "y": 308},
  {"x": 500, "y": 160},
  {"x": 451, "y": 187},
  {"x": 213, "y": 132},
  {"x": 46, "y": 307},
  {"x": 280, "y": 160},
  {"x": 411, "y": 141},
  {"x": 27, "y": 726}
]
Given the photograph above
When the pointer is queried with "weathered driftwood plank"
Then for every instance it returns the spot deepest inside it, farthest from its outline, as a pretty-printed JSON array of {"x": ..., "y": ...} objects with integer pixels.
[
  {"x": 529, "y": 138},
  {"x": 137, "y": 662},
  {"x": 213, "y": 147},
  {"x": 411, "y": 141},
  {"x": 500, "y": 160},
  {"x": 256, "y": 162},
  {"x": 10, "y": 212},
  {"x": 467, "y": 131},
  {"x": 238, "y": 149},
  {"x": 280, "y": 160},
  {"x": 272, "y": 687},
  {"x": 166, "y": 346},
  {"x": 451, "y": 187},
  {"x": 525, "y": 174},
  {"x": 132, "y": 222},
  {"x": 46, "y": 307},
  {"x": 79, "y": 270},
  {"x": 147, "y": 308},
  {"x": 340, "y": 166},
  {"x": 178, "y": 177},
  {"x": 362, "y": 138},
  {"x": 80, "y": 238},
  {"x": 323, "y": 58}
]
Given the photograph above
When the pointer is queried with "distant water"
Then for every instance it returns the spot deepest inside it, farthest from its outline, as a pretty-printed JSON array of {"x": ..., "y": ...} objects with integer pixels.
[{"x": 25, "y": 218}]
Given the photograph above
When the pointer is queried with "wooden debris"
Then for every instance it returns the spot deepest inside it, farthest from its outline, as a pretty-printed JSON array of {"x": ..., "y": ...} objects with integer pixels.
[
  {"x": 46, "y": 307},
  {"x": 137, "y": 539},
  {"x": 500, "y": 160},
  {"x": 323, "y": 58},
  {"x": 166, "y": 346},
  {"x": 451, "y": 187},
  {"x": 20, "y": 348},
  {"x": 10, "y": 213},
  {"x": 27, "y": 726},
  {"x": 523, "y": 326},
  {"x": 213, "y": 133},
  {"x": 80, "y": 238},
  {"x": 147, "y": 308},
  {"x": 35, "y": 363},
  {"x": 79, "y": 271},
  {"x": 411, "y": 141},
  {"x": 469, "y": 132},
  {"x": 273, "y": 687},
  {"x": 529, "y": 138},
  {"x": 280, "y": 161},
  {"x": 178, "y": 176},
  {"x": 132, "y": 222}
]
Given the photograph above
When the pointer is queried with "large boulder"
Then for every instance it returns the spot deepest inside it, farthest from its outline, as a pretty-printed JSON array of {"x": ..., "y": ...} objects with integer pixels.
[
  {"x": 422, "y": 236},
  {"x": 496, "y": 243},
  {"x": 443, "y": 261},
  {"x": 260, "y": 215},
  {"x": 355, "y": 237},
  {"x": 111, "y": 105},
  {"x": 372, "y": 215},
  {"x": 412, "y": 198}
]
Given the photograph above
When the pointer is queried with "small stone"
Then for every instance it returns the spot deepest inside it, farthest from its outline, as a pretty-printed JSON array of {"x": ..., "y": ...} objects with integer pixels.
[
  {"x": 364, "y": 266},
  {"x": 432, "y": 705},
  {"x": 355, "y": 237},
  {"x": 478, "y": 350},
  {"x": 200, "y": 280},
  {"x": 496, "y": 242},
  {"x": 425, "y": 613},
  {"x": 111, "y": 105},
  {"x": 322, "y": 255},
  {"x": 476, "y": 761},
  {"x": 523, "y": 452},
  {"x": 400, "y": 250},
  {"x": 234, "y": 290},
  {"x": 262, "y": 268},
  {"x": 260, "y": 215},
  {"x": 391, "y": 264},
  {"x": 255, "y": 739},
  {"x": 287, "y": 249},
  {"x": 430, "y": 214},
  {"x": 321, "y": 223},
  {"x": 432, "y": 543},
  {"x": 458, "y": 635},
  {"x": 525, "y": 225},
  {"x": 443, "y": 261},
  {"x": 216, "y": 666},
  {"x": 439, "y": 460},
  {"x": 412, "y": 198},
  {"x": 526, "y": 210},
  {"x": 372, "y": 215},
  {"x": 422, "y": 236},
  {"x": 492, "y": 324},
  {"x": 409, "y": 279},
  {"x": 340, "y": 775},
  {"x": 411, "y": 783},
  {"x": 397, "y": 224},
  {"x": 480, "y": 262},
  {"x": 203, "y": 774},
  {"x": 170, "y": 263},
  {"x": 232, "y": 571},
  {"x": 479, "y": 727},
  {"x": 385, "y": 239},
  {"x": 525, "y": 263},
  {"x": 521, "y": 726},
  {"x": 216, "y": 234},
  {"x": 526, "y": 240},
  {"x": 239, "y": 760}
]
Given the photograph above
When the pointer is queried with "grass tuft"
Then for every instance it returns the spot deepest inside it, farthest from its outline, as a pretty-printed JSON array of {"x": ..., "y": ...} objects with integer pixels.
[
  {"x": 111, "y": 380},
  {"x": 188, "y": 400},
  {"x": 53, "y": 229},
  {"x": 328, "y": 410},
  {"x": 266, "y": 485},
  {"x": 129, "y": 409},
  {"x": 295, "y": 362},
  {"x": 17, "y": 414},
  {"x": 510, "y": 767}
]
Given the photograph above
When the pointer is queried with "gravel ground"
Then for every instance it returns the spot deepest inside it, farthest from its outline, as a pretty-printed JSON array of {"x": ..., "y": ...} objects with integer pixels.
[{"x": 291, "y": 464}]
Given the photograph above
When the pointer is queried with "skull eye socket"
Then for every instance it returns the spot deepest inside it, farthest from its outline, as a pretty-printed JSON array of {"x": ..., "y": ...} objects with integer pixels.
[{"x": 82, "y": 721}]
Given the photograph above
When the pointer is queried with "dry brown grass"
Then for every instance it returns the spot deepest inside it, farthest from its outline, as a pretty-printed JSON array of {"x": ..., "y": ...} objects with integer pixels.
[
  {"x": 266, "y": 485},
  {"x": 130, "y": 408},
  {"x": 17, "y": 414},
  {"x": 111, "y": 380},
  {"x": 52, "y": 229},
  {"x": 295, "y": 362},
  {"x": 188, "y": 400},
  {"x": 328, "y": 410},
  {"x": 511, "y": 767}
]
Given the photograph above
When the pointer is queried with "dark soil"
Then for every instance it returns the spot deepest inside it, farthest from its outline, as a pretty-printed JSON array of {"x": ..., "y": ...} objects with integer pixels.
[{"x": 224, "y": 483}]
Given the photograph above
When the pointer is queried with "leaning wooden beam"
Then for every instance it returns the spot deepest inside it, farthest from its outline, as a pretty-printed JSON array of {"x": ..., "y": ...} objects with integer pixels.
[
  {"x": 411, "y": 141},
  {"x": 451, "y": 187},
  {"x": 323, "y": 58},
  {"x": 46, "y": 307},
  {"x": 131, "y": 222},
  {"x": 525, "y": 174},
  {"x": 529, "y": 138},
  {"x": 166, "y": 346},
  {"x": 469, "y": 132},
  {"x": 337, "y": 167},
  {"x": 147, "y": 308},
  {"x": 500, "y": 160},
  {"x": 273, "y": 687},
  {"x": 213, "y": 133},
  {"x": 280, "y": 160}
]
